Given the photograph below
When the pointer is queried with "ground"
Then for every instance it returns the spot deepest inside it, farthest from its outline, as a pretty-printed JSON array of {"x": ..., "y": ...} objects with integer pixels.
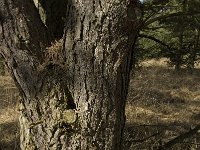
[
  {"x": 9, "y": 126},
  {"x": 161, "y": 105}
]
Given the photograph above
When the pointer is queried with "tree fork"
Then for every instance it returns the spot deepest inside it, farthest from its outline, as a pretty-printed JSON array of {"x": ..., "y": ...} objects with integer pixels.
[{"x": 77, "y": 102}]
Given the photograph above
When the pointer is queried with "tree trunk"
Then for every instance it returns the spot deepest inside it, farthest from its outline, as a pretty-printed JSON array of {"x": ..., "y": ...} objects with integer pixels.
[
  {"x": 178, "y": 57},
  {"x": 73, "y": 92},
  {"x": 194, "y": 50}
]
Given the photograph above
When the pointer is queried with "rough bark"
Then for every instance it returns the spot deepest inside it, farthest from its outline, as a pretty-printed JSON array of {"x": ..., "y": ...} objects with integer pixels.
[
  {"x": 74, "y": 92},
  {"x": 23, "y": 37}
]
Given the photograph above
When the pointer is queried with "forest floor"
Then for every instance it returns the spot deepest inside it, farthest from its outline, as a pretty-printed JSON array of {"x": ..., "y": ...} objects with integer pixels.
[
  {"x": 9, "y": 125},
  {"x": 162, "y": 104}
]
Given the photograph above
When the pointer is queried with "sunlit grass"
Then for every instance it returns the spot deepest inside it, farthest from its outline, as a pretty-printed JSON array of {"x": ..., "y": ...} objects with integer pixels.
[
  {"x": 9, "y": 126},
  {"x": 162, "y": 100}
]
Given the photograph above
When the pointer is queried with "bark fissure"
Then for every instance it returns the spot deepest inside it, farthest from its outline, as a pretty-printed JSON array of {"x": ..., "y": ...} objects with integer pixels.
[
  {"x": 82, "y": 28},
  {"x": 73, "y": 98}
]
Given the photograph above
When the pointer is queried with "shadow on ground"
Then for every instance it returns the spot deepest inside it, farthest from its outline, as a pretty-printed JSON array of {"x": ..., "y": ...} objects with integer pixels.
[
  {"x": 9, "y": 139},
  {"x": 150, "y": 137},
  {"x": 9, "y": 126},
  {"x": 162, "y": 104}
]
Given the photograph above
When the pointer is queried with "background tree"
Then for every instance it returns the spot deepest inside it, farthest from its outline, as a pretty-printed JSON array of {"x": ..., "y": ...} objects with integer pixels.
[
  {"x": 73, "y": 91},
  {"x": 170, "y": 29}
]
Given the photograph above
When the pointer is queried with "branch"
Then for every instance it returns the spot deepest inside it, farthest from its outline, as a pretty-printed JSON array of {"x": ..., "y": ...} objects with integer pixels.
[
  {"x": 179, "y": 138},
  {"x": 23, "y": 39},
  {"x": 22, "y": 28},
  {"x": 156, "y": 27},
  {"x": 196, "y": 21},
  {"x": 144, "y": 139},
  {"x": 154, "y": 39},
  {"x": 150, "y": 21}
]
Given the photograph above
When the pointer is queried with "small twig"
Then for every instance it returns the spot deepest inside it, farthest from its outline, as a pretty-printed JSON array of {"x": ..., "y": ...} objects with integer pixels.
[
  {"x": 189, "y": 143},
  {"x": 179, "y": 138},
  {"x": 143, "y": 140}
]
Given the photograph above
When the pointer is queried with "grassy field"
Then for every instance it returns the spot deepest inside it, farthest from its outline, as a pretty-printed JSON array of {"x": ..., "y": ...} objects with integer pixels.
[
  {"x": 162, "y": 104},
  {"x": 9, "y": 126}
]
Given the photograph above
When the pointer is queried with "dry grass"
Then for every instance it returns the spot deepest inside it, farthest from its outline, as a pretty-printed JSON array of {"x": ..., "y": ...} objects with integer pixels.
[
  {"x": 162, "y": 102},
  {"x": 9, "y": 128}
]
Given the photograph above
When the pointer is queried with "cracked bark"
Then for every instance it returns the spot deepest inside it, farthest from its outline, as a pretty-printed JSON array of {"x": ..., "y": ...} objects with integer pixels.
[{"x": 77, "y": 102}]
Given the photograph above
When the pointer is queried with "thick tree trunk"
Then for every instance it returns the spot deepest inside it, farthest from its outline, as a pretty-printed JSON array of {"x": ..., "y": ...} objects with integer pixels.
[{"x": 73, "y": 93}]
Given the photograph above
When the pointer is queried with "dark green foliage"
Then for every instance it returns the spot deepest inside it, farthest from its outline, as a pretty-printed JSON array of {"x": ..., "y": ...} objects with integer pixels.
[{"x": 170, "y": 29}]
